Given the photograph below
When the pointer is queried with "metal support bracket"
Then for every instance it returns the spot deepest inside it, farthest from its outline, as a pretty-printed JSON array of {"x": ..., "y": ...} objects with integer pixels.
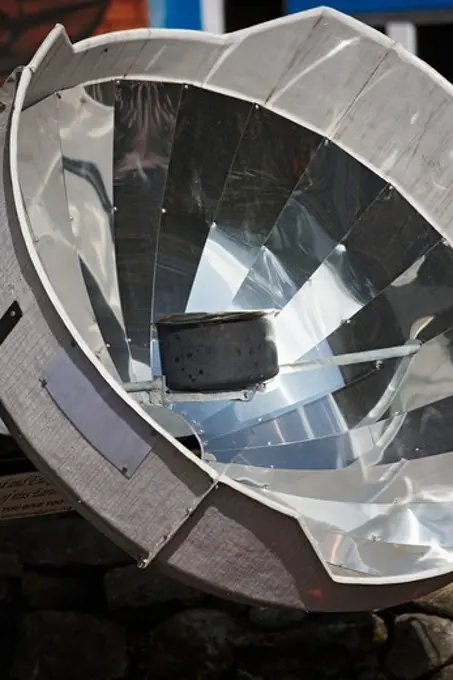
[
  {"x": 160, "y": 395},
  {"x": 9, "y": 320}
]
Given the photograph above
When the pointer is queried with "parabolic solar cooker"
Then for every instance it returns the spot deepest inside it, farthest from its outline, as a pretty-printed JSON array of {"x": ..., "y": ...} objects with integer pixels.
[{"x": 226, "y": 288}]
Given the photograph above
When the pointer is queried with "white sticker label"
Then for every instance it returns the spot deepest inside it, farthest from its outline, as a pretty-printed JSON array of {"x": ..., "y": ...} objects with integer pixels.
[{"x": 28, "y": 495}]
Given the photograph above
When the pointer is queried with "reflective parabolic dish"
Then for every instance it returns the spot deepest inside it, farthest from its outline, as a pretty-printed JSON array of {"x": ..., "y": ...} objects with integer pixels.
[{"x": 303, "y": 166}]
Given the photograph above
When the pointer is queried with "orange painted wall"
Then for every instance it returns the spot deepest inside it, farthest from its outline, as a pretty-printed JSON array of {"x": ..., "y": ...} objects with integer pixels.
[
  {"x": 124, "y": 14},
  {"x": 25, "y": 23}
]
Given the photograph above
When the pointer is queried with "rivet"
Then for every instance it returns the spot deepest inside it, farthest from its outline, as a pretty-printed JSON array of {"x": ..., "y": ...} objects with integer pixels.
[{"x": 143, "y": 562}]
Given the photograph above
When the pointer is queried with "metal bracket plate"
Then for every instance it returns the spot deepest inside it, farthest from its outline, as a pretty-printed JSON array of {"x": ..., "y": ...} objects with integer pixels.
[
  {"x": 122, "y": 438},
  {"x": 9, "y": 320}
]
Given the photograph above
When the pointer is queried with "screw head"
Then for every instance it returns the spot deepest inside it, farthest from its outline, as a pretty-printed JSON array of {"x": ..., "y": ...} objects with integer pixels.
[{"x": 143, "y": 562}]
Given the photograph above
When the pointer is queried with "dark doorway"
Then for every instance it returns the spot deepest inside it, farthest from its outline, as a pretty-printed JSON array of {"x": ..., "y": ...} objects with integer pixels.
[
  {"x": 240, "y": 14},
  {"x": 434, "y": 47}
]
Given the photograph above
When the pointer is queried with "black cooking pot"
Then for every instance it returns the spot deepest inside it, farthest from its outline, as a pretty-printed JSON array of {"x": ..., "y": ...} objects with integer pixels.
[{"x": 217, "y": 352}]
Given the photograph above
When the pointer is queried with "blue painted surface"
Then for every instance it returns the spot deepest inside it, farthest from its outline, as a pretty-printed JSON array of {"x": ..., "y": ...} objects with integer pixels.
[
  {"x": 175, "y": 14},
  {"x": 372, "y": 6}
]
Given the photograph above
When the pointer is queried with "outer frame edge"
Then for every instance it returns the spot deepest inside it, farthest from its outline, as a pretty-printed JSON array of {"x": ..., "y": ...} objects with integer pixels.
[{"x": 256, "y": 594}]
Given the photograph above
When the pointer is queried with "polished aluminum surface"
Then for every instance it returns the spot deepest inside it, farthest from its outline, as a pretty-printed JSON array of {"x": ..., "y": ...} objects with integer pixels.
[
  {"x": 42, "y": 177},
  {"x": 144, "y": 127},
  {"x": 213, "y": 204},
  {"x": 209, "y": 126},
  {"x": 85, "y": 116}
]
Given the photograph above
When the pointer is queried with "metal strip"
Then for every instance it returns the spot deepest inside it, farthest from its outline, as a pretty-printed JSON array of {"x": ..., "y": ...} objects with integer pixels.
[
  {"x": 97, "y": 415},
  {"x": 9, "y": 320}
]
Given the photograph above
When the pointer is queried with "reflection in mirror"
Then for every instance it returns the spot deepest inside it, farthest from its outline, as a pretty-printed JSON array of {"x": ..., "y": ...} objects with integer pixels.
[
  {"x": 42, "y": 179},
  {"x": 331, "y": 195},
  {"x": 145, "y": 122},
  {"x": 85, "y": 116},
  {"x": 271, "y": 156},
  {"x": 209, "y": 129}
]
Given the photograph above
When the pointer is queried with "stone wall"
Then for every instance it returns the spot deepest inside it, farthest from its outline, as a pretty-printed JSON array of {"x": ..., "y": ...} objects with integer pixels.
[{"x": 73, "y": 607}]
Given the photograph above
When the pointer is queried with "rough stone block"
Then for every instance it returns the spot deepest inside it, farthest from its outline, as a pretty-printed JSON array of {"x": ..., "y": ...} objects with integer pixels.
[
  {"x": 439, "y": 602},
  {"x": 56, "y": 645},
  {"x": 421, "y": 644},
  {"x": 196, "y": 643},
  {"x": 59, "y": 541},
  {"x": 270, "y": 618},
  {"x": 133, "y": 587},
  {"x": 444, "y": 674},
  {"x": 10, "y": 565},
  {"x": 49, "y": 591}
]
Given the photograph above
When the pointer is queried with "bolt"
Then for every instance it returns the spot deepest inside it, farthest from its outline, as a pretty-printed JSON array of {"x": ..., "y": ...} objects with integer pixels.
[{"x": 144, "y": 562}]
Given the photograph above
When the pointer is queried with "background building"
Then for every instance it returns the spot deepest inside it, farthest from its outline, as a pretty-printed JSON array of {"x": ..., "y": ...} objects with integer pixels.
[
  {"x": 425, "y": 27},
  {"x": 24, "y": 25}
]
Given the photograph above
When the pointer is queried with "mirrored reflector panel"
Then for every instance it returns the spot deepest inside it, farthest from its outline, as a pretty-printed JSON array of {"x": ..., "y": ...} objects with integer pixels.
[{"x": 149, "y": 200}]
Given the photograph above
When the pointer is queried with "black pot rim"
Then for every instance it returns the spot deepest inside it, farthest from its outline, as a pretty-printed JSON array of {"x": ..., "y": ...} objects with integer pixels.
[{"x": 213, "y": 318}]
